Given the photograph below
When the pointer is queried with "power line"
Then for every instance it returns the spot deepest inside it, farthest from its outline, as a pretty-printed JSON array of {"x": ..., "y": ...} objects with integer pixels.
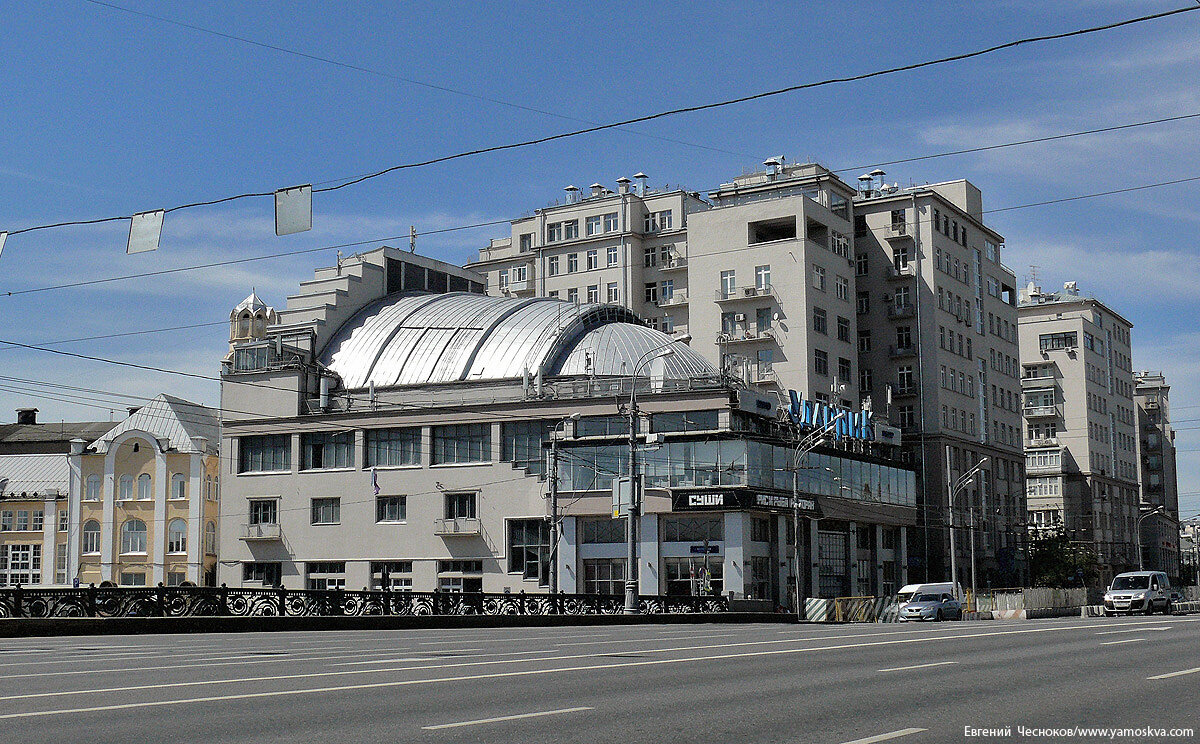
[
  {"x": 1091, "y": 196},
  {"x": 353, "y": 180},
  {"x": 392, "y": 76}
]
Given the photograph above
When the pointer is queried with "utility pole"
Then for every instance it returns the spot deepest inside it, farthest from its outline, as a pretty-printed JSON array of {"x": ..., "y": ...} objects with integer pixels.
[
  {"x": 950, "y": 508},
  {"x": 554, "y": 520},
  {"x": 631, "y": 567}
]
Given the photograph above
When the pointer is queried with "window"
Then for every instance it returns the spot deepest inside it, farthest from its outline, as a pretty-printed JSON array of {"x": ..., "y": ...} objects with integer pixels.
[
  {"x": 593, "y": 260},
  {"x": 178, "y": 486},
  {"x": 863, "y": 304},
  {"x": 177, "y": 536},
  {"x": 839, "y": 243},
  {"x": 1051, "y": 341},
  {"x": 693, "y": 576},
  {"x": 610, "y": 222},
  {"x": 327, "y": 449},
  {"x": 552, "y": 265},
  {"x": 593, "y": 225},
  {"x": 762, "y": 319},
  {"x": 133, "y": 536},
  {"x": 612, "y": 255},
  {"x": 91, "y": 537},
  {"x": 762, "y": 277},
  {"x": 864, "y": 341},
  {"x": 391, "y": 568},
  {"x": 573, "y": 295},
  {"x": 64, "y": 520},
  {"x": 327, "y": 510},
  {"x": 529, "y": 549},
  {"x": 6, "y": 521},
  {"x": 270, "y": 452},
  {"x": 462, "y": 443},
  {"x": 905, "y": 380},
  {"x": 693, "y": 528},
  {"x": 906, "y": 416},
  {"x": 571, "y": 230},
  {"x": 612, "y": 293},
  {"x": 264, "y": 511},
  {"x": 603, "y": 531},
  {"x": 818, "y": 277},
  {"x": 325, "y": 575},
  {"x": 60, "y": 563},
  {"x": 393, "y": 447},
  {"x": 459, "y": 505},
  {"x": 656, "y": 221},
  {"x": 266, "y": 573},
  {"x": 391, "y": 508},
  {"x": 145, "y": 489},
  {"x": 766, "y": 231},
  {"x": 210, "y": 538},
  {"x": 93, "y": 488},
  {"x": 820, "y": 362},
  {"x": 649, "y": 257},
  {"x": 820, "y": 321},
  {"x": 176, "y": 578},
  {"x": 844, "y": 370},
  {"x": 904, "y": 337},
  {"x": 604, "y": 576},
  {"x": 553, "y": 232},
  {"x": 20, "y": 564},
  {"x": 861, "y": 264},
  {"x": 572, "y": 263},
  {"x": 728, "y": 283},
  {"x": 133, "y": 578},
  {"x": 902, "y": 297},
  {"x": 526, "y": 242},
  {"x": 668, "y": 289},
  {"x": 521, "y": 444},
  {"x": 842, "y": 285},
  {"x": 651, "y": 290}
]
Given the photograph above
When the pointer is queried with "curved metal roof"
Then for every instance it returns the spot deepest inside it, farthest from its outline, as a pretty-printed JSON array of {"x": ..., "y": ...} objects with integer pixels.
[{"x": 416, "y": 339}]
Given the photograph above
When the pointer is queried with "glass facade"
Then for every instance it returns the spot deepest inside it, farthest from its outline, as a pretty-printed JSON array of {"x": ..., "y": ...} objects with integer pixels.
[{"x": 739, "y": 462}]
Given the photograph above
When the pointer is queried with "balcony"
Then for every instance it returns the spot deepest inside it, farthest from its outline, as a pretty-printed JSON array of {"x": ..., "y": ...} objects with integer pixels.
[
  {"x": 896, "y": 231},
  {"x": 261, "y": 532},
  {"x": 1040, "y": 411},
  {"x": 674, "y": 263},
  {"x": 764, "y": 376},
  {"x": 744, "y": 293},
  {"x": 677, "y": 299},
  {"x": 903, "y": 272},
  {"x": 750, "y": 335},
  {"x": 457, "y": 527},
  {"x": 1042, "y": 442},
  {"x": 900, "y": 312},
  {"x": 900, "y": 352},
  {"x": 517, "y": 288},
  {"x": 905, "y": 391}
]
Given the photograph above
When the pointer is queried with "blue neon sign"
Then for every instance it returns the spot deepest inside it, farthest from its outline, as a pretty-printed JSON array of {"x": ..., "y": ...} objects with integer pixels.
[{"x": 813, "y": 414}]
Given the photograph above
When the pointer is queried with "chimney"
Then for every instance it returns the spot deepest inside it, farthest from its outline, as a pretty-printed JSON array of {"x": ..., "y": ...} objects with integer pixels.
[
  {"x": 623, "y": 185},
  {"x": 597, "y": 189},
  {"x": 572, "y": 193},
  {"x": 27, "y": 416},
  {"x": 642, "y": 186}
]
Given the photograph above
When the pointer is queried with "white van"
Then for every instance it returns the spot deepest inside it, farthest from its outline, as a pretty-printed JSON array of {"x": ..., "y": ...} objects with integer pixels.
[
  {"x": 1138, "y": 591},
  {"x": 908, "y": 590}
]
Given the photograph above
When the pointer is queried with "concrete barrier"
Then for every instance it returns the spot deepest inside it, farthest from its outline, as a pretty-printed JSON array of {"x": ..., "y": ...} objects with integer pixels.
[{"x": 64, "y": 626}]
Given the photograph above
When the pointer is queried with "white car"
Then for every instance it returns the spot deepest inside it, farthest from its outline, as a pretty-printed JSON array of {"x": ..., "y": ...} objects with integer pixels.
[
  {"x": 931, "y": 607},
  {"x": 1138, "y": 591}
]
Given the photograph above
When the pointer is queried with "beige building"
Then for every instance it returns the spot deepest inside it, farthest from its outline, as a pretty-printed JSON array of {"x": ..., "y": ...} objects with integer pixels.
[
  {"x": 1081, "y": 435},
  {"x": 1159, "y": 482},
  {"x": 144, "y": 498},
  {"x": 35, "y": 516}
]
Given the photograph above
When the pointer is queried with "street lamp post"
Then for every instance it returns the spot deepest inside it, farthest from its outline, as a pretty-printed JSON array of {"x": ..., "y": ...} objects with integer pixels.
[
  {"x": 631, "y": 565},
  {"x": 554, "y": 520},
  {"x": 956, "y": 487},
  {"x": 1155, "y": 510},
  {"x": 803, "y": 447}
]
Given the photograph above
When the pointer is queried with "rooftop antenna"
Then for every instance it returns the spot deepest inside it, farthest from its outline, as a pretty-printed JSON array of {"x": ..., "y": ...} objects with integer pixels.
[
  {"x": 1032, "y": 276},
  {"x": 412, "y": 238}
]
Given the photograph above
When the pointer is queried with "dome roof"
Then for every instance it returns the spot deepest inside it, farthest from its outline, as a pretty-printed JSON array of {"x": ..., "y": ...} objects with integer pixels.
[{"x": 416, "y": 339}]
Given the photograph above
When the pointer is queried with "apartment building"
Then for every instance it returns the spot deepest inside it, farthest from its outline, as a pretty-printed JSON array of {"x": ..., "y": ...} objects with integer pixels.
[
  {"x": 1081, "y": 434},
  {"x": 35, "y": 517},
  {"x": 626, "y": 247},
  {"x": 144, "y": 498},
  {"x": 937, "y": 350},
  {"x": 1159, "y": 483}
]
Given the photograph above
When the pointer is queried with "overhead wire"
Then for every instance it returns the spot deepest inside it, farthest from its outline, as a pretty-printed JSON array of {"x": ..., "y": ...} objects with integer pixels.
[{"x": 353, "y": 180}]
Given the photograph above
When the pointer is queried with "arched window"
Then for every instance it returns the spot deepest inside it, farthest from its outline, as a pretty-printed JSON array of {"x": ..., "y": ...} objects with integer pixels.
[
  {"x": 93, "y": 488},
  {"x": 210, "y": 538},
  {"x": 145, "y": 493},
  {"x": 133, "y": 536},
  {"x": 244, "y": 325},
  {"x": 126, "y": 491},
  {"x": 91, "y": 536},
  {"x": 260, "y": 323},
  {"x": 208, "y": 487},
  {"x": 177, "y": 536},
  {"x": 178, "y": 486}
]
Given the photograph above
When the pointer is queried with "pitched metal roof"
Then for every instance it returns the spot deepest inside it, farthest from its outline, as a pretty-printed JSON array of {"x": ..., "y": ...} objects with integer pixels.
[
  {"x": 180, "y": 421},
  {"x": 32, "y": 474},
  {"x": 416, "y": 339}
]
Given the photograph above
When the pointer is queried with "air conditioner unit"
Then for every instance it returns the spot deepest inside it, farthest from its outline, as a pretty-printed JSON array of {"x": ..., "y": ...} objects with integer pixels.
[
  {"x": 750, "y": 291},
  {"x": 739, "y": 317}
]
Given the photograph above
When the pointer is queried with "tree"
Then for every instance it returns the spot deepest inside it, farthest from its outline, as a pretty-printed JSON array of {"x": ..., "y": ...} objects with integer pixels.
[{"x": 1056, "y": 561}]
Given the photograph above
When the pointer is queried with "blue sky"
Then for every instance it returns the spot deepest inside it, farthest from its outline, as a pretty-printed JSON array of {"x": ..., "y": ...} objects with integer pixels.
[{"x": 110, "y": 113}]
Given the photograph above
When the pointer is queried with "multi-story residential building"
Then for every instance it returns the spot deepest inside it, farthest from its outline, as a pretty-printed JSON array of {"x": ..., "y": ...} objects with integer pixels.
[
  {"x": 937, "y": 348},
  {"x": 385, "y": 432},
  {"x": 144, "y": 498},
  {"x": 627, "y": 247},
  {"x": 1081, "y": 435},
  {"x": 1159, "y": 483},
  {"x": 35, "y": 517}
]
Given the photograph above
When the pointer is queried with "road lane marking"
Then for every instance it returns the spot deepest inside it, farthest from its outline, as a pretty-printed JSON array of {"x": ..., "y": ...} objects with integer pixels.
[
  {"x": 916, "y": 666},
  {"x": 489, "y": 675},
  {"x": 506, "y": 718},
  {"x": 1124, "y": 640},
  {"x": 888, "y": 736},
  {"x": 1132, "y": 630},
  {"x": 1175, "y": 674}
]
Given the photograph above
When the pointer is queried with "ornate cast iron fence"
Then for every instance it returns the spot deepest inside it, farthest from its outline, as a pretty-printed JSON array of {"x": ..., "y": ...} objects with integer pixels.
[{"x": 168, "y": 601}]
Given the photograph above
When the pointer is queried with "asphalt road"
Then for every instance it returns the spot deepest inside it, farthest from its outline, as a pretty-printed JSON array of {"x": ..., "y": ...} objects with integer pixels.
[{"x": 687, "y": 683}]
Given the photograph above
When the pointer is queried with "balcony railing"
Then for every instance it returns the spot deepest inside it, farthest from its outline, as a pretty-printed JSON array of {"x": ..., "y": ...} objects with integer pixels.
[
  {"x": 904, "y": 271},
  {"x": 901, "y": 391},
  {"x": 1040, "y": 411},
  {"x": 261, "y": 532},
  {"x": 519, "y": 287},
  {"x": 1042, "y": 442},
  {"x": 896, "y": 231},
  {"x": 743, "y": 293},
  {"x": 674, "y": 263},
  {"x": 899, "y": 352},
  {"x": 679, "y": 297},
  {"x": 899, "y": 312},
  {"x": 750, "y": 335},
  {"x": 457, "y": 526}
]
